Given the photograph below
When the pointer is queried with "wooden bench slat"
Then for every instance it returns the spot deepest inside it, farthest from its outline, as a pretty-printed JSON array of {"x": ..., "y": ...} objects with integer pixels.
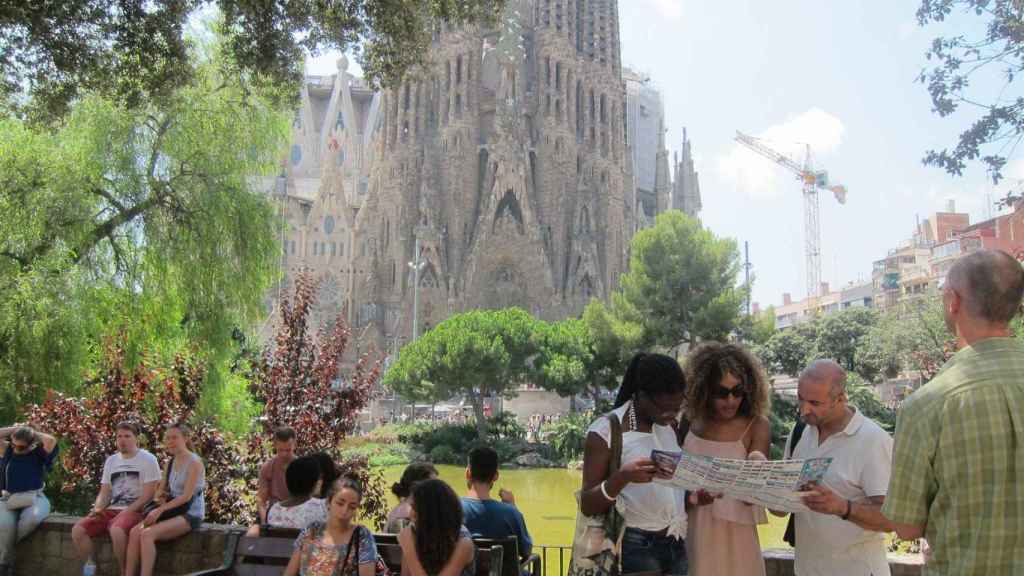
[
  {"x": 257, "y": 570},
  {"x": 265, "y": 547}
]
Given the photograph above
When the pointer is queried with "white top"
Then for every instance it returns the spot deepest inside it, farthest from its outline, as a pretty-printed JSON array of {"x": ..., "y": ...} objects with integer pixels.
[
  {"x": 301, "y": 516},
  {"x": 861, "y": 462},
  {"x": 652, "y": 506},
  {"x": 127, "y": 476}
]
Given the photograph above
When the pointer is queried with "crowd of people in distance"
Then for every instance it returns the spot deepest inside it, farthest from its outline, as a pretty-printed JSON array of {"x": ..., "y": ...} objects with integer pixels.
[{"x": 953, "y": 474}]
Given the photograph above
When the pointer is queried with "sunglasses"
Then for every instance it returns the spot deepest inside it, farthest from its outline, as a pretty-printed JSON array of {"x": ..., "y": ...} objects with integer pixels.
[{"x": 722, "y": 392}]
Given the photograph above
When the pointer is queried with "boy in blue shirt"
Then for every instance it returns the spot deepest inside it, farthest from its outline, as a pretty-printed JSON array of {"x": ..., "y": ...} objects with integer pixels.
[{"x": 485, "y": 517}]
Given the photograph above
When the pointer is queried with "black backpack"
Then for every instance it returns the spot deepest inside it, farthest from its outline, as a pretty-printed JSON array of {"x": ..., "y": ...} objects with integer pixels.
[{"x": 794, "y": 439}]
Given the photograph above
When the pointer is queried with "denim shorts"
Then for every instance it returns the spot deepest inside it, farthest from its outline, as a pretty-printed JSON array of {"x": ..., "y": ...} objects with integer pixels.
[
  {"x": 644, "y": 551},
  {"x": 194, "y": 522}
]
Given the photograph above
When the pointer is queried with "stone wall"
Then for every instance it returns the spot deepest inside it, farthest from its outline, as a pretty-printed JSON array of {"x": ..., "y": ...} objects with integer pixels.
[
  {"x": 779, "y": 562},
  {"x": 49, "y": 551}
]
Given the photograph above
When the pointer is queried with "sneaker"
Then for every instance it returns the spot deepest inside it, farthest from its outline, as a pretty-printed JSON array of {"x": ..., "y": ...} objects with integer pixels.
[{"x": 89, "y": 569}]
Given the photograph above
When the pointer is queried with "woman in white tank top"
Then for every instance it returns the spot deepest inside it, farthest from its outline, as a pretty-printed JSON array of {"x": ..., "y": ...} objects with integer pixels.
[{"x": 648, "y": 405}]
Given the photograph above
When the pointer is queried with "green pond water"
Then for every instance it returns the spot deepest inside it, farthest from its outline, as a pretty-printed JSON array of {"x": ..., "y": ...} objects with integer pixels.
[{"x": 546, "y": 498}]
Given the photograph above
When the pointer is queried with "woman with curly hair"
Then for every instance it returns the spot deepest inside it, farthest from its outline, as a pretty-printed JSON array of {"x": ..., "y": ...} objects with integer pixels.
[
  {"x": 727, "y": 404},
  {"x": 436, "y": 543}
]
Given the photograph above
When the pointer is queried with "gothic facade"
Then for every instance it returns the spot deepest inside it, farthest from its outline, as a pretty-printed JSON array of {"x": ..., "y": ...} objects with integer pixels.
[{"x": 501, "y": 168}]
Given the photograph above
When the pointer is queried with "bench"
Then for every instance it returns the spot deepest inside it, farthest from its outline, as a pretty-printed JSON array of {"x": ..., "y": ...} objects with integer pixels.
[
  {"x": 269, "y": 553},
  {"x": 489, "y": 558},
  {"x": 513, "y": 564}
]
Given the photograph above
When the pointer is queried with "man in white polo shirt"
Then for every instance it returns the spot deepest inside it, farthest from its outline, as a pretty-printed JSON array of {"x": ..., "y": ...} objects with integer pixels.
[{"x": 843, "y": 535}]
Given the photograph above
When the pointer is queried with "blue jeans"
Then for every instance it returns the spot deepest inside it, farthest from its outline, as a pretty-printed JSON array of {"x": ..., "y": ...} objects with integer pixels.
[
  {"x": 644, "y": 551},
  {"x": 17, "y": 524}
]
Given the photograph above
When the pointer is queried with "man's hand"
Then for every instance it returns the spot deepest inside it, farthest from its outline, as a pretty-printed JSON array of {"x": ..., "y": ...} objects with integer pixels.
[
  {"x": 507, "y": 496},
  {"x": 702, "y": 497},
  {"x": 825, "y": 501},
  {"x": 95, "y": 512},
  {"x": 639, "y": 471}
]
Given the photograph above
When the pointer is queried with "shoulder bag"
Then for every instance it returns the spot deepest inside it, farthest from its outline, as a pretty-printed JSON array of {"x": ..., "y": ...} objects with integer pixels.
[
  {"x": 16, "y": 500},
  {"x": 794, "y": 439},
  {"x": 596, "y": 543},
  {"x": 170, "y": 512}
]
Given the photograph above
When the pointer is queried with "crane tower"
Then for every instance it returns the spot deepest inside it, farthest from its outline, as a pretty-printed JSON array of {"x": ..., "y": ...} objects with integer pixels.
[{"x": 812, "y": 181}]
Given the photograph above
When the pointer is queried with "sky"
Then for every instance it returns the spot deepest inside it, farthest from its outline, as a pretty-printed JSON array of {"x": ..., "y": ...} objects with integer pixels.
[{"x": 839, "y": 76}]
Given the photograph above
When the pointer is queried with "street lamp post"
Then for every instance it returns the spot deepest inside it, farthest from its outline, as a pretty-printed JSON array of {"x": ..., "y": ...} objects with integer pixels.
[{"x": 417, "y": 264}]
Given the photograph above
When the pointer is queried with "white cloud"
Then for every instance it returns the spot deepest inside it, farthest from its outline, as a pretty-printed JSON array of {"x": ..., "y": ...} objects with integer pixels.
[
  {"x": 749, "y": 172},
  {"x": 668, "y": 9}
]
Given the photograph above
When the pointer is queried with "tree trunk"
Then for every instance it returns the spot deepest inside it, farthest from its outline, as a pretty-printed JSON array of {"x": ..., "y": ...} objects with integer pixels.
[{"x": 478, "y": 411}]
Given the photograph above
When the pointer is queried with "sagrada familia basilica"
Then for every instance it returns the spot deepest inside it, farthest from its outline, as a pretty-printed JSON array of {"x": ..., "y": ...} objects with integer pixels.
[{"x": 500, "y": 174}]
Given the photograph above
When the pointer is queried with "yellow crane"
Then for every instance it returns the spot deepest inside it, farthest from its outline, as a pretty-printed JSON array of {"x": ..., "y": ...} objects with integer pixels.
[{"x": 812, "y": 180}]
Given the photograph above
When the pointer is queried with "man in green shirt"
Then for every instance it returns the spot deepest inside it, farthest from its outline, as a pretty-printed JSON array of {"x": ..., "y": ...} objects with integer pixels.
[{"x": 958, "y": 460}]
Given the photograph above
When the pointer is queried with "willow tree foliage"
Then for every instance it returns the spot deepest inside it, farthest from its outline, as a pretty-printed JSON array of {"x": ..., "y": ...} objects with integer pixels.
[
  {"x": 139, "y": 52},
  {"x": 145, "y": 222}
]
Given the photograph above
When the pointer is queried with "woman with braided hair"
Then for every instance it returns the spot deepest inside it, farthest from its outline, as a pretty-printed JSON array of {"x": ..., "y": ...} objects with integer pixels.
[
  {"x": 647, "y": 407},
  {"x": 727, "y": 405}
]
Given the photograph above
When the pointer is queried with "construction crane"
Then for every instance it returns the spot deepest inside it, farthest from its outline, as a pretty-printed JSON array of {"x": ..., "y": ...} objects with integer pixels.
[{"x": 812, "y": 180}]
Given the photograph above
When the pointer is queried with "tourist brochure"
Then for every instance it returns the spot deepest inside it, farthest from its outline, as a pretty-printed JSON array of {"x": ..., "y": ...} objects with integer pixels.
[{"x": 774, "y": 484}]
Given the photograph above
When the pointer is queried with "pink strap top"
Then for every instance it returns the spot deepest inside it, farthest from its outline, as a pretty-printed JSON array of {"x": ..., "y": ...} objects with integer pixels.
[{"x": 723, "y": 508}]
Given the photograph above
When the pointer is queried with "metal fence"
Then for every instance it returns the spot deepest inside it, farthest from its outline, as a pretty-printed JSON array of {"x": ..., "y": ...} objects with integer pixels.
[{"x": 554, "y": 559}]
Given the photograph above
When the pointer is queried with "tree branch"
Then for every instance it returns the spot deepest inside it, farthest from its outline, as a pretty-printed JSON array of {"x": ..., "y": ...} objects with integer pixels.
[
  {"x": 108, "y": 227},
  {"x": 17, "y": 258}
]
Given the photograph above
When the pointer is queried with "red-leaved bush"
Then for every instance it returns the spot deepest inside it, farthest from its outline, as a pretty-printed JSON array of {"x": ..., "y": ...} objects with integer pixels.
[
  {"x": 299, "y": 382},
  {"x": 297, "y": 379},
  {"x": 152, "y": 398}
]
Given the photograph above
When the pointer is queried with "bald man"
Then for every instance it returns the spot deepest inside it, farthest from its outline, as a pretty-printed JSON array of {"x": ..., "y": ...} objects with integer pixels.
[
  {"x": 958, "y": 474},
  {"x": 842, "y": 535}
]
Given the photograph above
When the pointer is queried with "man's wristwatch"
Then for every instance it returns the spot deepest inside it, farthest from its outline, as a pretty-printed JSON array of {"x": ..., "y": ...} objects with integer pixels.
[{"x": 849, "y": 509}]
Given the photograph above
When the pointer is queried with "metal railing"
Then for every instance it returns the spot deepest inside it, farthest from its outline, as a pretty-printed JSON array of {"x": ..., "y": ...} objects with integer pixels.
[{"x": 549, "y": 562}]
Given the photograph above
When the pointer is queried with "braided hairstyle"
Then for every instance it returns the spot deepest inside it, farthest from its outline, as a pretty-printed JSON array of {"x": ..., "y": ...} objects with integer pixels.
[{"x": 652, "y": 374}]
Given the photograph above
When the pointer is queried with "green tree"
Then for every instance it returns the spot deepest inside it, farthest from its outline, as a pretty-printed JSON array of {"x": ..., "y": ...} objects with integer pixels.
[
  {"x": 756, "y": 329},
  {"x": 616, "y": 335},
  {"x": 986, "y": 51},
  {"x": 54, "y": 52},
  {"x": 911, "y": 339},
  {"x": 682, "y": 281},
  {"x": 840, "y": 334},
  {"x": 142, "y": 222},
  {"x": 564, "y": 355},
  {"x": 865, "y": 398},
  {"x": 789, "y": 350},
  {"x": 479, "y": 354}
]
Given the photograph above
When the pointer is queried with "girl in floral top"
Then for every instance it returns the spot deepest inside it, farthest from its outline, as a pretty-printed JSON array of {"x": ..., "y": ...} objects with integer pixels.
[{"x": 339, "y": 547}]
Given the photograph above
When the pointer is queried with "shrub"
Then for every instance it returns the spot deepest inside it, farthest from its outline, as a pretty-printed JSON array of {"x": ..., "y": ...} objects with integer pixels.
[
  {"x": 567, "y": 435},
  {"x": 505, "y": 425},
  {"x": 444, "y": 454},
  {"x": 296, "y": 382},
  {"x": 153, "y": 398}
]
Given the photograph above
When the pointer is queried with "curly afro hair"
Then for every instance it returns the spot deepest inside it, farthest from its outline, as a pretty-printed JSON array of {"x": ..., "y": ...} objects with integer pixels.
[{"x": 708, "y": 363}]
